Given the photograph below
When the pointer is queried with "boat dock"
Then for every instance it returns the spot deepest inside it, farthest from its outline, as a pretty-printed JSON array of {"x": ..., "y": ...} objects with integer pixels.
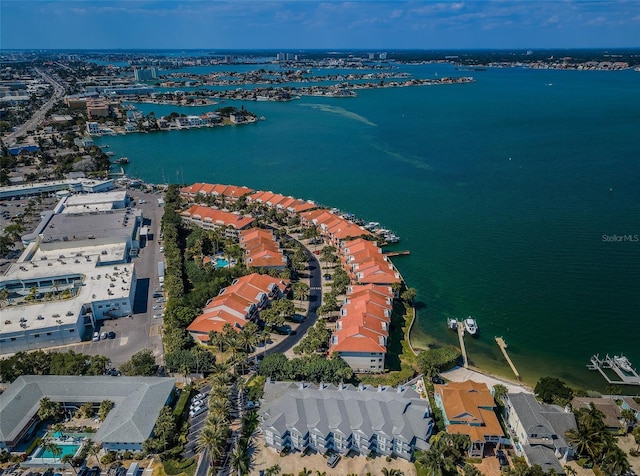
[
  {"x": 398, "y": 253},
  {"x": 625, "y": 377},
  {"x": 503, "y": 347},
  {"x": 462, "y": 346}
]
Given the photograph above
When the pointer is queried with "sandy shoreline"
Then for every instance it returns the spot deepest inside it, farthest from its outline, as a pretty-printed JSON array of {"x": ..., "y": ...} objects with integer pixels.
[{"x": 460, "y": 374}]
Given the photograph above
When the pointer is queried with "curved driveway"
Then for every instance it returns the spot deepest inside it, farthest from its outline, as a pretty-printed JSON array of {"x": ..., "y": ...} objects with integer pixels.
[{"x": 315, "y": 300}]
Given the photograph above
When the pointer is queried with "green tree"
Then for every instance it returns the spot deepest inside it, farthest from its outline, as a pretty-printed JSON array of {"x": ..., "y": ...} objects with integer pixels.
[
  {"x": 552, "y": 389},
  {"x": 48, "y": 409},
  {"x": 408, "y": 295},
  {"x": 141, "y": 363},
  {"x": 435, "y": 463},
  {"x": 499, "y": 391},
  {"x": 438, "y": 359},
  {"x": 104, "y": 409},
  {"x": 615, "y": 462},
  {"x": 300, "y": 291}
]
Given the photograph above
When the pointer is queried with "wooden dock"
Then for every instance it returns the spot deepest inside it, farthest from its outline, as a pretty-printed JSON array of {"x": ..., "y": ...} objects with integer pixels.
[
  {"x": 503, "y": 347},
  {"x": 462, "y": 346},
  {"x": 398, "y": 253}
]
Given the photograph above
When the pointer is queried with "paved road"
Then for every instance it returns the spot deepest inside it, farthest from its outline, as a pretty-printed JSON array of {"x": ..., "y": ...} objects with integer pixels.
[
  {"x": 315, "y": 301},
  {"x": 40, "y": 114}
]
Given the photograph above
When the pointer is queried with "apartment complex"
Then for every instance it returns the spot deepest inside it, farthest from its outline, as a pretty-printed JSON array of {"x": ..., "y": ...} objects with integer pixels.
[
  {"x": 384, "y": 420},
  {"x": 237, "y": 304}
]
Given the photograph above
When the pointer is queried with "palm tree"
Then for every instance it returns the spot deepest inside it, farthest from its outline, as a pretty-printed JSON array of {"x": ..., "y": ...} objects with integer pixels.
[
  {"x": 591, "y": 418},
  {"x": 240, "y": 458},
  {"x": 300, "y": 291},
  {"x": 304, "y": 472},
  {"x": 435, "y": 463},
  {"x": 615, "y": 462},
  {"x": 583, "y": 442},
  {"x": 569, "y": 471},
  {"x": 48, "y": 445},
  {"x": 94, "y": 450},
  {"x": 210, "y": 438},
  {"x": 391, "y": 472},
  {"x": 68, "y": 459},
  {"x": 629, "y": 416},
  {"x": 272, "y": 470}
]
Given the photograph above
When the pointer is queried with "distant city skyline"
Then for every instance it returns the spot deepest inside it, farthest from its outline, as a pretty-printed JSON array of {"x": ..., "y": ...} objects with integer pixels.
[{"x": 309, "y": 24}]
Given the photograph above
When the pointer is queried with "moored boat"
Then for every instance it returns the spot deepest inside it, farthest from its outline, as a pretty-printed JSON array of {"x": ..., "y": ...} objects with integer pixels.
[
  {"x": 623, "y": 363},
  {"x": 470, "y": 325},
  {"x": 122, "y": 160},
  {"x": 452, "y": 324}
]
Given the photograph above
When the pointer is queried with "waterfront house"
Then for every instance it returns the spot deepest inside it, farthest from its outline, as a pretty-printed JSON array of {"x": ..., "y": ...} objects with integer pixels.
[
  {"x": 613, "y": 420},
  {"x": 468, "y": 408},
  {"x": 539, "y": 430},
  {"x": 365, "y": 419}
]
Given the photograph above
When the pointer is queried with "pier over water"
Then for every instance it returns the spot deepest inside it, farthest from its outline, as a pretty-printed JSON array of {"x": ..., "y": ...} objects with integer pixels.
[{"x": 503, "y": 347}]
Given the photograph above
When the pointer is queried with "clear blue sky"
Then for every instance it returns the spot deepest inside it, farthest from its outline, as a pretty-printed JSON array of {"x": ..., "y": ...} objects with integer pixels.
[{"x": 297, "y": 24}]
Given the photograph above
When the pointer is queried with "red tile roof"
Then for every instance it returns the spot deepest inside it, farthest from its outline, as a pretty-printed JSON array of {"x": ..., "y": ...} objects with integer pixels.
[
  {"x": 217, "y": 217},
  {"x": 230, "y": 191},
  {"x": 364, "y": 328},
  {"x": 233, "y": 304},
  {"x": 261, "y": 249},
  {"x": 469, "y": 406}
]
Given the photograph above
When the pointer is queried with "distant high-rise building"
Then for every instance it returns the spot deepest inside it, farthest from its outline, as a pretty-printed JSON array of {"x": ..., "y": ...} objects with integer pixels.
[
  {"x": 145, "y": 74},
  {"x": 372, "y": 56},
  {"x": 383, "y": 56}
]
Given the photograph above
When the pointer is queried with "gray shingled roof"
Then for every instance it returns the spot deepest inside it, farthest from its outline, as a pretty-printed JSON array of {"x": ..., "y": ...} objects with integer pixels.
[
  {"x": 346, "y": 409},
  {"x": 544, "y": 457},
  {"x": 544, "y": 418},
  {"x": 138, "y": 401}
]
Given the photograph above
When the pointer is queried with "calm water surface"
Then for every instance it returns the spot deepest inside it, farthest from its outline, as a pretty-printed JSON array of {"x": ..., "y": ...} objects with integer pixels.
[{"x": 502, "y": 190}]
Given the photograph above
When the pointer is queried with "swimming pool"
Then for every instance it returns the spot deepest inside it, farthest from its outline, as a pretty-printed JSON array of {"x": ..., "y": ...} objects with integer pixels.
[
  {"x": 67, "y": 449},
  {"x": 221, "y": 263}
]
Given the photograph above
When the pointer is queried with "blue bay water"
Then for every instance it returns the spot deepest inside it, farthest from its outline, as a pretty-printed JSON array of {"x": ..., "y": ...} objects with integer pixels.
[{"x": 502, "y": 190}]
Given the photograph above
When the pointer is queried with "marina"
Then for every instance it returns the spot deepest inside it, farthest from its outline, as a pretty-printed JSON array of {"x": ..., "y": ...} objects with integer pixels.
[{"x": 618, "y": 364}]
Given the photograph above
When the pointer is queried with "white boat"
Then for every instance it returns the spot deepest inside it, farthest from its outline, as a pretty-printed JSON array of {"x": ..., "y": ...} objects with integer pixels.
[
  {"x": 470, "y": 325},
  {"x": 622, "y": 362},
  {"x": 452, "y": 324}
]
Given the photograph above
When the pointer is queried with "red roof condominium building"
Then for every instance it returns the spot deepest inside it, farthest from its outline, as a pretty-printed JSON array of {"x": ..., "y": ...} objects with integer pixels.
[
  {"x": 211, "y": 218},
  {"x": 360, "y": 338},
  {"x": 237, "y": 304},
  {"x": 365, "y": 263},
  {"x": 261, "y": 250},
  {"x": 214, "y": 190},
  {"x": 332, "y": 226}
]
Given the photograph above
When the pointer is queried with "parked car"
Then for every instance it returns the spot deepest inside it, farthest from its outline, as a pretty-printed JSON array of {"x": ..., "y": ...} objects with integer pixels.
[
  {"x": 333, "y": 460},
  {"x": 502, "y": 458},
  {"x": 111, "y": 335},
  {"x": 158, "y": 316},
  {"x": 104, "y": 335},
  {"x": 96, "y": 336}
]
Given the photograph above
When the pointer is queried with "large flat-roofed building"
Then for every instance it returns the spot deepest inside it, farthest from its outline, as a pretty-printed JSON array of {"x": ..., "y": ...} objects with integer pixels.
[
  {"x": 383, "y": 420},
  {"x": 93, "y": 229},
  {"x": 104, "y": 201},
  {"x": 72, "y": 185},
  {"x": 56, "y": 297},
  {"x": 137, "y": 404}
]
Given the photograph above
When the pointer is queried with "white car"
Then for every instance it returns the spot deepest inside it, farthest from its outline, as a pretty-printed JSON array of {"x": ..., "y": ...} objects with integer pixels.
[
  {"x": 161, "y": 249},
  {"x": 157, "y": 306},
  {"x": 96, "y": 336},
  {"x": 158, "y": 316}
]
